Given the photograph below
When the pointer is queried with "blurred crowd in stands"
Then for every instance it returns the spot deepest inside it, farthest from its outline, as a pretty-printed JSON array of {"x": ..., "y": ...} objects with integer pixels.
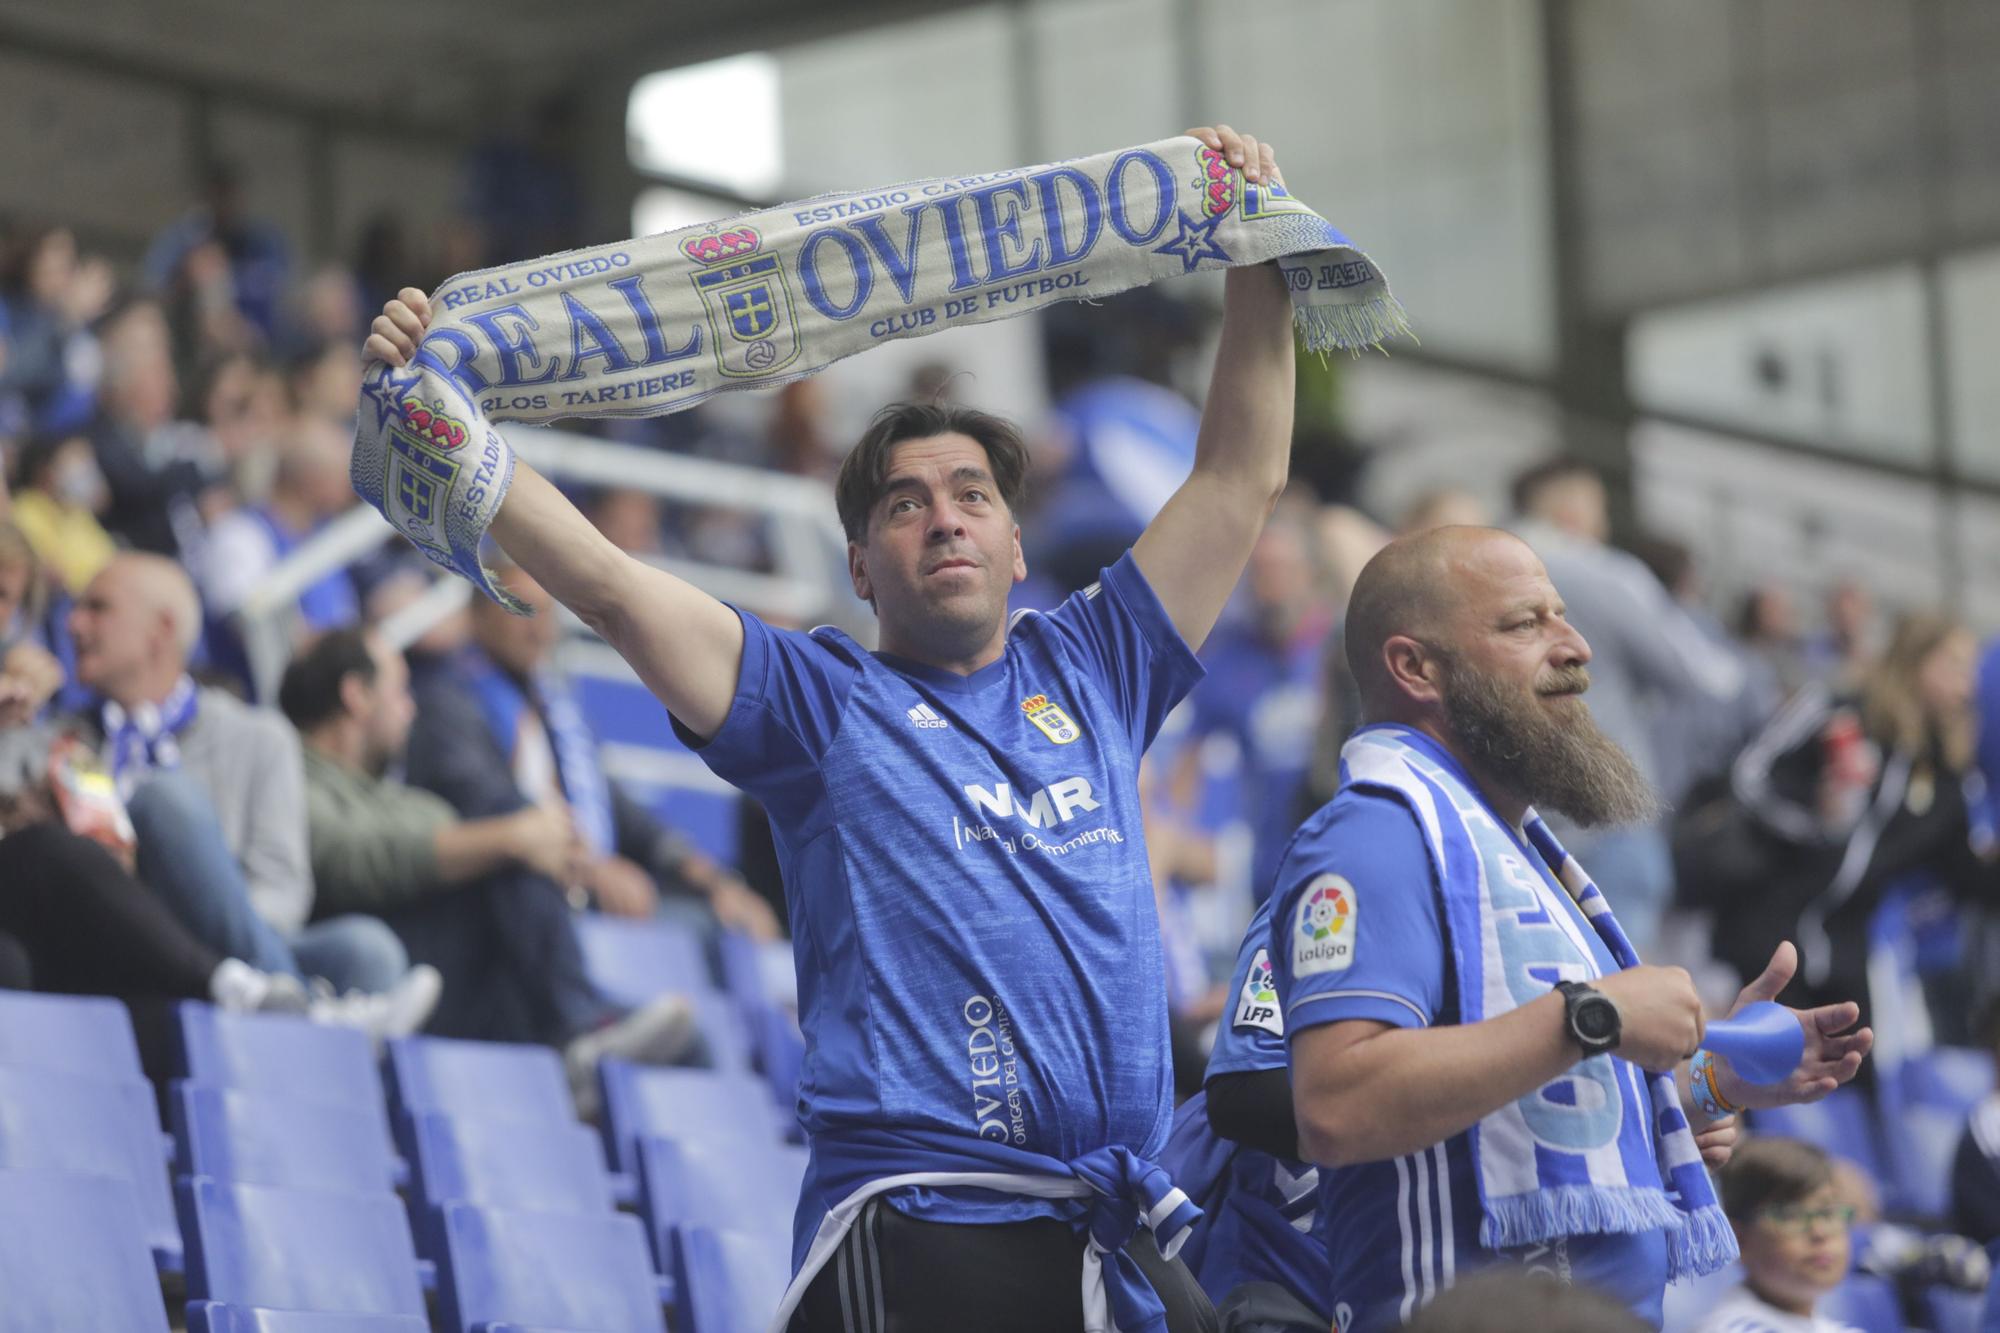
[{"x": 400, "y": 839}]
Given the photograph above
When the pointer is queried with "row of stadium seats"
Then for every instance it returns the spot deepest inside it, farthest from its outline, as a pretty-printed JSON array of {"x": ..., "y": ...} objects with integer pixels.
[{"x": 290, "y": 1146}]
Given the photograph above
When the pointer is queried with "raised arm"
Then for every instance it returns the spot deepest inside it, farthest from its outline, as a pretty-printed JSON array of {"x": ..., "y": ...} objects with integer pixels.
[
  {"x": 685, "y": 645},
  {"x": 1196, "y": 547}
]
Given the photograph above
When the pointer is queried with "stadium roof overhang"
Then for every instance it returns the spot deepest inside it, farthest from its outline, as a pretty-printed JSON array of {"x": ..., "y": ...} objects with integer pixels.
[{"x": 431, "y": 65}]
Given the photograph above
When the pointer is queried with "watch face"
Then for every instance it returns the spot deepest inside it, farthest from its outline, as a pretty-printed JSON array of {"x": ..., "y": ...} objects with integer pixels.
[{"x": 1596, "y": 1019}]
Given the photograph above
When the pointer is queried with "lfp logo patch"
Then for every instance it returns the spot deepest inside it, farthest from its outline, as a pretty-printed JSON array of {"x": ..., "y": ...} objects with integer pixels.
[
  {"x": 1257, "y": 1005},
  {"x": 1323, "y": 936}
]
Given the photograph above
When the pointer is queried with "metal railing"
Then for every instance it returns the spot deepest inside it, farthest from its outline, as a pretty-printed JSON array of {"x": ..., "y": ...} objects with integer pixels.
[{"x": 807, "y": 586}]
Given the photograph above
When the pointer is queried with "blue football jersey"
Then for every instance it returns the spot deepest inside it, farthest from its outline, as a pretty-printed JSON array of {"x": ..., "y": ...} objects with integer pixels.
[
  {"x": 1264, "y": 1229},
  {"x": 1357, "y": 934},
  {"x": 974, "y": 929}
]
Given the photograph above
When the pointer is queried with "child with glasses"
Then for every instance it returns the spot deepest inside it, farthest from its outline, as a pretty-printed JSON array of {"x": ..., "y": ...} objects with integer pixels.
[{"x": 1793, "y": 1225}]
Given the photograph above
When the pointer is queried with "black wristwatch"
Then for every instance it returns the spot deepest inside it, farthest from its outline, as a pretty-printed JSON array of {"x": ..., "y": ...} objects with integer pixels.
[{"x": 1593, "y": 1018}]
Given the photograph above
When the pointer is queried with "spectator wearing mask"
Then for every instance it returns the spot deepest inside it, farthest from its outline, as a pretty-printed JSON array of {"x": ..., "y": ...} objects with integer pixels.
[
  {"x": 479, "y": 899},
  {"x": 501, "y": 731},
  {"x": 1646, "y": 655},
  {"x": 217, "y": 790},
  {"x": 58, "y": 494},
  {"x": 1846, "y": 795},
  {"x": 310, "y": 488}
]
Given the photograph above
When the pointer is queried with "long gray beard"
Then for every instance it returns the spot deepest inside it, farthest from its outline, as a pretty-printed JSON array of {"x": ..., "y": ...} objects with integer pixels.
[{"x": 1558, "y": 759}]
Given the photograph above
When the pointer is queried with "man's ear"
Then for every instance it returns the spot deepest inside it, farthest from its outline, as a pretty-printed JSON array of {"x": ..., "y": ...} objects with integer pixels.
[
  {"x": 354, "y": 695},
  {"x": 1413, "y": 669},
  {"x": 1020, "y": 561},
  {"x": 857, "y": 572}
]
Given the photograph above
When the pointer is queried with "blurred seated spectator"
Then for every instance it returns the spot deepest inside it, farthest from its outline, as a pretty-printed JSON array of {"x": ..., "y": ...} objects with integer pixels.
[
  {"x": 1646, "y": 654},
  {"x": 1840, "y": 654},
  {"x": 80, "y": 924},
  {"x": 1767, "y": 625},
  {"x": 501, "y": 731},
  {"x": 243, "y": 403},
  {"x": 1845, "y": 795},
  {"x": 1509, "y": 1300},
  {"x": 251, "y": 262},
  {"x": 1264, "y": 678},
  {"x": 217, "y": 788},
  {"x": 529, "y": 742},
  {"x": 164, "y": 474},
  {"x": 51, "y": 296},
  {"x": 1444, "y": 507},
  {"x": 1975, "y": 1170},
  {"x": 325, "y": 382},
  {"x": 58, "y": 494},
  {"x": 479, "y": 899},
  {"x": 1795, "y": 1231},
  {"x": 309, "y": 488}
]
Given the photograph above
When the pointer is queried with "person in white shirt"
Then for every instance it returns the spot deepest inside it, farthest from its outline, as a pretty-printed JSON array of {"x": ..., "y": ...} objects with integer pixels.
[{"x": 1794, "y": 1228}]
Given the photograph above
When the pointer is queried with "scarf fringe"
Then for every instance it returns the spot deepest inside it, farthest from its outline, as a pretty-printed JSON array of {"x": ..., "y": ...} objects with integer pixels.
[
  {"x": 1576, "y": 1210},
  {"x": 1704, "y": 1245},
  {"x": 1350, "y": 327}
]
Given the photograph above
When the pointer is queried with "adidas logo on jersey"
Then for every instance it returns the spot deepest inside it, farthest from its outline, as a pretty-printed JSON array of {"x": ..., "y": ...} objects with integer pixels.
[{"x": 924, "y": 717}]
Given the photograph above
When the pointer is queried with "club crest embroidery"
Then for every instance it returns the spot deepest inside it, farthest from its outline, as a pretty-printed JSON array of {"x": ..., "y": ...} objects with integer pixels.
[
  {"x": 423, "y": 442},
  {"x": 749, "y": 303},
  {"x": 1323, "y": 934},
  {"x": 1050, "y": 719}
]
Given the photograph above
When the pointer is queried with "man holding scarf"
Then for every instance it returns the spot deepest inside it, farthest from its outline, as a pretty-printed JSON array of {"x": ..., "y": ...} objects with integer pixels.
[
  {"x": 1454, "y": 986},
  {"x": 957, "y": 815}
]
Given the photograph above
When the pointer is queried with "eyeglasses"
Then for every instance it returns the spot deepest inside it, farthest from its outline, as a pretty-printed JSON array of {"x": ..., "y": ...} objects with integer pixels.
[{"x": 1799, "y": 1219}]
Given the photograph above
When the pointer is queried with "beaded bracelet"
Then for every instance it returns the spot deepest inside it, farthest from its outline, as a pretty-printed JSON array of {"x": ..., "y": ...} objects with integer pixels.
[{"x": 1705, "y": 1086}]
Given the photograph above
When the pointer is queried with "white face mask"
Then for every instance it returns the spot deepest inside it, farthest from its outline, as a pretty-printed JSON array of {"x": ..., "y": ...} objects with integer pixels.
[{"x": 78, "y": 483}]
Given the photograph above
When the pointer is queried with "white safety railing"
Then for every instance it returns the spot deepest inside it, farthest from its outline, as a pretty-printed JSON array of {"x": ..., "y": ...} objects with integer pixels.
[{"x": 808, "y": 586}]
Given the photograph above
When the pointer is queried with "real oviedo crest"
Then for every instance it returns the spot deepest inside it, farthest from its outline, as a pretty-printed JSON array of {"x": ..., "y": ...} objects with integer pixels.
[
  {"x": 1323, "y": 934},
  {"x": 1050, "y": 719},
  {"x": 749, "y": 303}
]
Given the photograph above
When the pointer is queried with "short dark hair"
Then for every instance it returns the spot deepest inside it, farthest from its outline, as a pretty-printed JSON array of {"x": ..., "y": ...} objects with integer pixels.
[
  {"x": 310, "y": 692},
  {"x": 1529, "y": 485},
  {"x": 865, "y": 470},
  {"x": 1770, "y": 1172},
  {"x": 1505, "y": 1299}
]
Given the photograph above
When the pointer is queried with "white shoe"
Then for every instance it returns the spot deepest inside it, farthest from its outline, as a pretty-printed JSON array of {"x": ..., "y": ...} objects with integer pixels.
[
  {"x": 659, "y": 1032},
  {"x": 396, "y": 1012},
  {"x": 238, "y": 988}
]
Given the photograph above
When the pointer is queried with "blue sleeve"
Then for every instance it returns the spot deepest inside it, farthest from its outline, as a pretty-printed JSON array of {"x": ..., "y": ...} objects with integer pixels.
[
  {"x": 1252, "y": 1035},
  {"x": 1117, "y": 632},
  {"x": 1332, "y": 961},
  {"x": 790, "y": 694}
]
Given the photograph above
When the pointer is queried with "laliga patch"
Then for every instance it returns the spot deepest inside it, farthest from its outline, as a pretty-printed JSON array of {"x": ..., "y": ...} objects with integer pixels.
[
  {"x": 1050, "y": 719},
  {"x": 1323, "y": 934},
  {"x": 1257, "y": 1005}
]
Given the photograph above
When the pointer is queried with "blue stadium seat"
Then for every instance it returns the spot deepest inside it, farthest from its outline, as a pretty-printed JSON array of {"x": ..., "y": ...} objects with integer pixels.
[
  {"x": 51, "y": 1121},
  {"x": 299, "y": 1249},
  {"x": 632, "y": 961},
  {"x": 558, "y": 1270},
  {"x": 1868, "y": 1303},
  {"x": 1841, "y": 1123},
  {"x": 743, "y": 969},
  {"x": 261, "y": 1138},
  {"x": 73, "y": 1256},
  {"x": 279, "y": 1054},
  {"x": 215, "y": 1317},
  {"x": 482, "y": 1080},
  {"x": 695, "y": 1183},
  {"x": 688, "y": 1104},
  {"x": 518, "y": 1164},
  {"x": 729, "y": 1282},
  {"x": 1948, "y": 1311},
  {"x": 781, "y": 1052},
  {"x": 73, "y": 1034}
]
